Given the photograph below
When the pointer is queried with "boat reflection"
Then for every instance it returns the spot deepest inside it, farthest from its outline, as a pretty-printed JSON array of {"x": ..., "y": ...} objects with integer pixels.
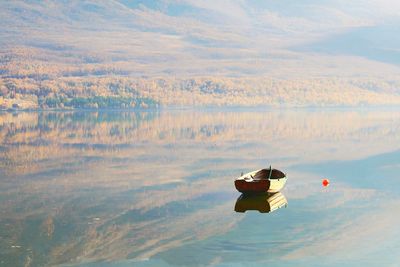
[{"x": 264, "y": 202}]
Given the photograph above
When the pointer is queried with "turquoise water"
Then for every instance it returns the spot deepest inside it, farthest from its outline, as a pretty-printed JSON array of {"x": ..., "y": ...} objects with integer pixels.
[{"x": 156, "y": 188}]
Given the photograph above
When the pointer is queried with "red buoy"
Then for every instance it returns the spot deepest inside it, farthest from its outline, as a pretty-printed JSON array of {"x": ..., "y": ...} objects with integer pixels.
[{"x": 325, "y": 182}]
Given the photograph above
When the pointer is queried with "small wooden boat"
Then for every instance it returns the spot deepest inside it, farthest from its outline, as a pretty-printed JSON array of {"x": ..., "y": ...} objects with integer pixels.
[
  {"x": 264, "y": 180},
  {"x": 263, "y": 202}
]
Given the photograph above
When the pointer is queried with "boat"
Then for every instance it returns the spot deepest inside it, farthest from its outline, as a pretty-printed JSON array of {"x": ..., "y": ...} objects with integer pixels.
[
  {"x": 263, "y": 202},
  {"x": 263, "y": 180}
]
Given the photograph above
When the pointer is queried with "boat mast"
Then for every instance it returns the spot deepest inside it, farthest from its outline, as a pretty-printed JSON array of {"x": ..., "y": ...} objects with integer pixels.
[{"x": 270, "y": 172}]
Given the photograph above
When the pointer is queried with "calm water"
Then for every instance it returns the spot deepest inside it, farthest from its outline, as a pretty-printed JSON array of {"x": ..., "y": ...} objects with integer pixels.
[{"x": 156, "y": 188}]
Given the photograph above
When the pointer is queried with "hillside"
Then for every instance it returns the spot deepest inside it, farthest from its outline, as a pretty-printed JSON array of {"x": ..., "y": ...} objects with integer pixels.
[{"x": 129, "y": 54}]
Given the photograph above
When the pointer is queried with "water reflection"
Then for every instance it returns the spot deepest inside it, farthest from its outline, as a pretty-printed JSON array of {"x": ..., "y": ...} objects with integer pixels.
[
  {"x": 106, "y": 186},
  {"x": 262, "y": 202}
]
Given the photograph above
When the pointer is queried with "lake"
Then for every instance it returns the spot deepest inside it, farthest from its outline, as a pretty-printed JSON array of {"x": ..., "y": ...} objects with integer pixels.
[{"x": 155, "y": 188}]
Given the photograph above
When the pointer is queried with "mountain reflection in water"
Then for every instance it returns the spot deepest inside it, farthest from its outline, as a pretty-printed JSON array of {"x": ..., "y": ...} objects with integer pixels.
[{"x": 156, "y": 188}]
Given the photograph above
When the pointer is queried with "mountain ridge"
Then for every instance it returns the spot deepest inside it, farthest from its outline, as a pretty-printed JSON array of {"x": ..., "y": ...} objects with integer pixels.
[{"x": 47, "y": 47}]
